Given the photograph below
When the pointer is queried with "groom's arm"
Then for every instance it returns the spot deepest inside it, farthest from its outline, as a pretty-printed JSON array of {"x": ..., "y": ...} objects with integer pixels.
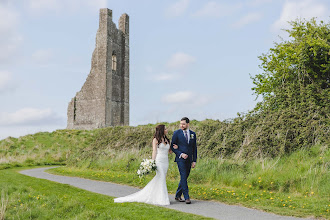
[
  {"x": 175, "y": 141},
  {"x": 195, "y": 150}
]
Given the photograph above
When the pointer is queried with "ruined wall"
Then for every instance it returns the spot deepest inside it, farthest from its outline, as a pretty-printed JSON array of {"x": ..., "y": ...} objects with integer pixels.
[{"x": 104, "y": 98}]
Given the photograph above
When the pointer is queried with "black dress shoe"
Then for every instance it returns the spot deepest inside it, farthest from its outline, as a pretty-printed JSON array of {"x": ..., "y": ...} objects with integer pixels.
[
  {"x": 179, "y": 199},
  {"x": 188, "y": 201}
]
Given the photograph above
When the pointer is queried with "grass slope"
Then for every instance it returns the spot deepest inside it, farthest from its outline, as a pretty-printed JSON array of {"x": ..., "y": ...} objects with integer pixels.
[
  {"x": 30, "y": 198},
  {"x": 295, "y": 183}
]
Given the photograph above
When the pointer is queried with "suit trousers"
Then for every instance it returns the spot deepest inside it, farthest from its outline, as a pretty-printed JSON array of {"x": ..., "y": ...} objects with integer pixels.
[{"x": 184, "y": 169}]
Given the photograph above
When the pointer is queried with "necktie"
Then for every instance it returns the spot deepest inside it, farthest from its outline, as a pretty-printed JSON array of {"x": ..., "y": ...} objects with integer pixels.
[{"x": 186, "y": 135}]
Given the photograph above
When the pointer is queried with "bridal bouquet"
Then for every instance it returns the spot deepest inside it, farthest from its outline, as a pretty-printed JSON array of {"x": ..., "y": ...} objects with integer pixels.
[{"x": 146, "y": 166}]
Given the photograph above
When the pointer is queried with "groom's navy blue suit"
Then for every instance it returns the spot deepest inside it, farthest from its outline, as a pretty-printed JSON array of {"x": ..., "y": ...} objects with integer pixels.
[{"x": 184, "y": 165}]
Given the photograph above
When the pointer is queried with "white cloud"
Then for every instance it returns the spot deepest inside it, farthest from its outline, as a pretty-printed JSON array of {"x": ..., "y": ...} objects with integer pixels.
[
  {"x": 299, "y": 9},
  {"x": 180, "y": 61},
  {"x": 9, "y": 18},
  {"x": 177, "y": 9},
  {"x": 10, "y": 40},
  {"x": 164, "y": 77},
  {"x": 214, "y": 9},
  {"x": 42, "y": 56},
  {"x": 30, "y": 116},
  {"x": 247, "y": 19},
  {"x": 179, "y": 97},
  {"x": 185, "y": 98}
]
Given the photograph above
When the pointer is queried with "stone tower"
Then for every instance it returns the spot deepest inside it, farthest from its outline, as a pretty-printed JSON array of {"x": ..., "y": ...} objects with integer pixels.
[{"x": 103, "y": 100}]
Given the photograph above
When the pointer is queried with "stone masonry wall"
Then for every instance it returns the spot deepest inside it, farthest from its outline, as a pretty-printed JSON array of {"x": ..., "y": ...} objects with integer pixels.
[{"x": 104, "y": 98}]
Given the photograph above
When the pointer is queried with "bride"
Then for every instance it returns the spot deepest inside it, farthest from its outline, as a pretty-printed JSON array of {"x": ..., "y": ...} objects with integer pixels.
[{"x": 155, "y": 192}]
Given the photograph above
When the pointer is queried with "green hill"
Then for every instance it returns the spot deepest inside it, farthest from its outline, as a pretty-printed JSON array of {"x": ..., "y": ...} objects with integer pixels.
[{"x": 252, "y": 178}]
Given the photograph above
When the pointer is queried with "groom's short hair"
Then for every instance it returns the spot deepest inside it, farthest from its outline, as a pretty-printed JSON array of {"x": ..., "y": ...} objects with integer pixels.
[{"x": 185, "y": 119}]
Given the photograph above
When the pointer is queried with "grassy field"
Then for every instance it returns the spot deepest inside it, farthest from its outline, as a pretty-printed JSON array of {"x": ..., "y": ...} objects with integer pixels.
[
  {"x": 295, "y": 183},
  {"x": 24, "y": 197}
]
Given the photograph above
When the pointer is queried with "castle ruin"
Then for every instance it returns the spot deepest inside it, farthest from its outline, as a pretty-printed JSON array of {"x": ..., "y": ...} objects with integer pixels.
[{"x": 103, "y": 100}]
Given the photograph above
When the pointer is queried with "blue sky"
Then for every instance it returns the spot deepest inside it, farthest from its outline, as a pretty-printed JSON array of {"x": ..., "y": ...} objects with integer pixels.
[{"x": 187, "y": 57}]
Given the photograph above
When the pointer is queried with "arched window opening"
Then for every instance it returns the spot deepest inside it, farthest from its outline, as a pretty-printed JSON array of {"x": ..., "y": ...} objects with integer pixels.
[{"x": 114, "y": 61}]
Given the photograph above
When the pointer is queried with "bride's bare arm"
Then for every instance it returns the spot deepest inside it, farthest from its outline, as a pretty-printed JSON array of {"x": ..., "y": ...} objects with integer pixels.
[{"x": 154, "y": 148}]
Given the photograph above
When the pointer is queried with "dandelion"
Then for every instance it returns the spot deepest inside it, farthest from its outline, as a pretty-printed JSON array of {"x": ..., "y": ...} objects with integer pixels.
[{"x": 283, "y": 204}]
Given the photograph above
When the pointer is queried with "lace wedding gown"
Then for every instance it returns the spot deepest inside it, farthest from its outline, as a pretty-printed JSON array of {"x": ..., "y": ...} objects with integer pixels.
[{"x": 155, "y": 192}]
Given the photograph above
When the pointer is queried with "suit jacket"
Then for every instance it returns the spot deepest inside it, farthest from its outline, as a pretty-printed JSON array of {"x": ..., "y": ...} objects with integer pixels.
[{"x": 190, "y": 148}]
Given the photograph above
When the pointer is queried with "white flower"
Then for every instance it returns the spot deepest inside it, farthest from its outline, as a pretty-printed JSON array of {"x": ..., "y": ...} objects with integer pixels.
[{"x": 146, "y": 166}]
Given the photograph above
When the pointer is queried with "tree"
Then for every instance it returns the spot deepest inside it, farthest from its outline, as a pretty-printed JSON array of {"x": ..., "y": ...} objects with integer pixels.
[{"x": 296, "y": 72}]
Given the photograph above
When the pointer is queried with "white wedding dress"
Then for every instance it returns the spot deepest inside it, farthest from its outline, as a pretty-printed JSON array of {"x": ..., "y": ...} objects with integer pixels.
[{"x": 155, "y": 192}]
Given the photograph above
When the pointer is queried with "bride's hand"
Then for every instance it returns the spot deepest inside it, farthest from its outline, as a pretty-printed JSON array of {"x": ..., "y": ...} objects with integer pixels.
[{"x": 175, "y": 146}]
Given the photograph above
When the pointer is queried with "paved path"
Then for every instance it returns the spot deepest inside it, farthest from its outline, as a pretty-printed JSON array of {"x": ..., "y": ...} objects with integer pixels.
[{"x": 215, "y": 210}]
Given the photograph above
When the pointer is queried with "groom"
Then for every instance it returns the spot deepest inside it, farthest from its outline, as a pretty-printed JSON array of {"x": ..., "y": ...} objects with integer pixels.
[{"x": 186, "y": 156}]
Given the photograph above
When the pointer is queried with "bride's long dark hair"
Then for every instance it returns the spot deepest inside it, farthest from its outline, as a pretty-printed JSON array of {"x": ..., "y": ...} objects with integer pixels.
[{"x": 160, "y": 134}]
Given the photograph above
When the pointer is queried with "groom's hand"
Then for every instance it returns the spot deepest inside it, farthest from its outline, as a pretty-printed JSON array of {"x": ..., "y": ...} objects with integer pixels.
[
  {"x": 193, "y": 164},
  {"x": 184, "y": 156}
]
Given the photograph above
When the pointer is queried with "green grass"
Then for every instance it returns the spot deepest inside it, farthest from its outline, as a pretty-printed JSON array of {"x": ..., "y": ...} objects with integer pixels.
[
  {"x": 31, "y": 198},
  {"x": 297, "y": 184},
  {"x": 42, "y": 148},
  {"x": 224, "y": 164}
]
